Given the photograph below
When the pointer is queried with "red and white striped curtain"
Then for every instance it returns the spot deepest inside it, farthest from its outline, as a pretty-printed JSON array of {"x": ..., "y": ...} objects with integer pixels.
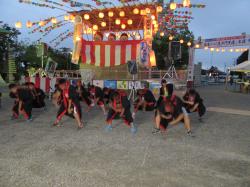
[{"x": 110, "y": 53}]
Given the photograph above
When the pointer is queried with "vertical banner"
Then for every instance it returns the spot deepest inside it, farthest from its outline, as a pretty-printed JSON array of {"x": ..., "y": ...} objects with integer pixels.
[
  {"x": 190, "y": 76},
  {"x": 144, "y": 53},
  {"x": 77, "y": 39}
]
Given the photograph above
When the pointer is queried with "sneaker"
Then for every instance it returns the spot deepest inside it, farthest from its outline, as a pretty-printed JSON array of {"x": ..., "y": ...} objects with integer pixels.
[
  {"x": 108, "y": 128},
  {"x": 189, "y": 133},
  {"x": 156, "y": 131},
  {"x": 29, "y": 120}
]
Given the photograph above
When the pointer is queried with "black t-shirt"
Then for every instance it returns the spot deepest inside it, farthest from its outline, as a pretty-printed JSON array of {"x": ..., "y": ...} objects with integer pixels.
[
  {"x": 123, "y": 101},
  {"x": 149, "y": 97},
  {"x": 24, "y": 94},
  {"x": 175, "y": 103}
]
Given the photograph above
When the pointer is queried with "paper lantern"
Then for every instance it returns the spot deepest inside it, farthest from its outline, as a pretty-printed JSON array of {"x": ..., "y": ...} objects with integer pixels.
[
  {"x": 53, "y": 20},
  {"x": 152, "y": 58},
  {"x": 153, "y": 17},
  {"x": 156, "y": 26},
  {"x": 66, "y": 17},
  {"x": 41, "y": 23},
  {"x": 154, "y": 22},
  {"x": 189, "y": 44},
  {"x": 197, "y": 46},
  {"x": 217, "y": 50},
  {"x": 130, "y": 22},
  {"x": 173, "y": 6},
  {"x": 86, "y": 16},
  {"x": 170, "y": 38},
  {"x": 223, "y": 50},
  {"x": 143, "y": 12},
  {"x": 71, "y": 17},
  {"x": 101, "y": 15},
  {"x": 159, "y": 9},
  {"x": 117, "y": 22},
  {"x": 110, "y": 14},
  {"x": 95, "y": 27},
  {"x": 237, "y": 50},
  {"x": 206, "y": 48},
  {"x": 18, "y": 24},
  {"x": 103, "y": 24},
  {"x": 181, "y": 41},
  {"x": 78, "y": 38},
  {"x": 29, "y": 24},
  {"x": 136, "y": 11},
  {"x": 147, "y": 10},
  {"x": 122, "y": 13},
  {"x": 186, "y": 3},
  {"x": 123, "y": 26},
  {"x": 161, "y": 34},
  {"x": 212, "y": 49}
]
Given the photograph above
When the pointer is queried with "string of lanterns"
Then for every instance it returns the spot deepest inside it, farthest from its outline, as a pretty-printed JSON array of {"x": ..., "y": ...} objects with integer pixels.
[{"x": 237, "y": 50}]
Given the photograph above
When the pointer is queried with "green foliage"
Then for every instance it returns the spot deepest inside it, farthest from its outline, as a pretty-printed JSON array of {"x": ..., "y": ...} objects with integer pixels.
[{"x": 160, "y": 46}]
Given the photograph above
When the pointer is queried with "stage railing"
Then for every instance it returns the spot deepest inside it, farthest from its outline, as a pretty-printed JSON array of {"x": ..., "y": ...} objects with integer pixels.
[{"x": 118, "y": 74}]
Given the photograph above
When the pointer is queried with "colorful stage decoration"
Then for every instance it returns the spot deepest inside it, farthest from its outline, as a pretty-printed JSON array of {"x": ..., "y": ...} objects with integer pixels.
[
  {"x": 106, "y": 32},
  {"x": 110, "y": 53}
]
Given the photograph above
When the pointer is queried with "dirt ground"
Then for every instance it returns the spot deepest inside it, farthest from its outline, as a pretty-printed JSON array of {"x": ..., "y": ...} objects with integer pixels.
[{"x": 35, "y": 154}]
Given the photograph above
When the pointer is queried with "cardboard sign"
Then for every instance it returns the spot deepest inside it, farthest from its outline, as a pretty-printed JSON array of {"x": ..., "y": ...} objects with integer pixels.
[
  {"x": 99, "y": 83},
  {"x": 135, "y": 84},
  {"x": 122, "y": 85},
  {"x": 110, "y": 84}
]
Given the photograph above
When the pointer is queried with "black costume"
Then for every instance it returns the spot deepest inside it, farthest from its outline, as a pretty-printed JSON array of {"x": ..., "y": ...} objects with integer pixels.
[
  {"x": 83, "y": 94},
  {"x": 25, "y": 96},
  {"x": 69, "y": 94},
  {"x": 171, "y": 107},
  {"x": 97, "y": 93},
  {"x": 38, "y": 98},
  {"x": 122, "y": 102},
  {"x": 193, "y": 96},
  {"x": 148, "y": 97},
  {"x": 15, "y": 110}
]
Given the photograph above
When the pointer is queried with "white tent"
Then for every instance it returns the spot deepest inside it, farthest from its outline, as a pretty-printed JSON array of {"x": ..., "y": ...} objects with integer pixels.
[{"x": 243, "y": 67}]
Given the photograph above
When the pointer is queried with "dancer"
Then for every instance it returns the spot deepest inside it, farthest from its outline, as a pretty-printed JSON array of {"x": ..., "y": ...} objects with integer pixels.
[
  {"x": 96, "y": 94},
  {"x": 70, "y": 104},
  {"x": 38, "y": 96},
  {"x": 119, "y": 107},
  {"x": 194, "y": 103},
  {"x": 23, "y": 101},
  {"x": 83, "y": 94},
  {"x": 171, "y": 112},
  {"x": 145, "y": 101}
]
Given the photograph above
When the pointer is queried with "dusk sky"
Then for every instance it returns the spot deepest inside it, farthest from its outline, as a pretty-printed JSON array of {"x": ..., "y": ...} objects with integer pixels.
[{"x": 219, "y": 18}]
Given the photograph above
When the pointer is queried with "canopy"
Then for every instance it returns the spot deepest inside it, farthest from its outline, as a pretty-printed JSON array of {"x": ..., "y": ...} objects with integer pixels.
[{"x": 243, "y": 67}]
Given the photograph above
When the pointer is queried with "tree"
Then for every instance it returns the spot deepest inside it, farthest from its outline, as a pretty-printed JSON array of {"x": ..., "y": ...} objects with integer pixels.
[
  {"x": 8, "y": 40},
  {"x": 160, "y": 46}
]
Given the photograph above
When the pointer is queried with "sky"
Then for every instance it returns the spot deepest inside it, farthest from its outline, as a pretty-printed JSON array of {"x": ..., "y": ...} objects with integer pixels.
[{"x": 220, "y": 18}]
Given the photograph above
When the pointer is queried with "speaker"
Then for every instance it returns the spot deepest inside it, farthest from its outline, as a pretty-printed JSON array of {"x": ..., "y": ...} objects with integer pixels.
[{"x": 132, "y": 67}]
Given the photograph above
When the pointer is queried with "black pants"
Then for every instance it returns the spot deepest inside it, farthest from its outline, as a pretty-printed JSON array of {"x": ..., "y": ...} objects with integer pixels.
[
  {"x": 127, "y": 116},
  {"x": 64, "y": 111}
]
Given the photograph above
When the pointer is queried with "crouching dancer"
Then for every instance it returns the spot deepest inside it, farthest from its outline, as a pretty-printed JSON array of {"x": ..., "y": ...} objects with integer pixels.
[
  {"x": 119, "y": 107},
  {"x": 145, "y": 101},
  {"x": 194, "y": 103},
  {"x": 70, "y": 104},
  {"x": 23, "y": 101},
  {"x": 170, "y": 112}
]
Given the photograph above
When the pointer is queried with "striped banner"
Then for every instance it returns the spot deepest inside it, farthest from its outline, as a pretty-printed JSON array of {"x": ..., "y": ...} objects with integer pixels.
[
  {"x": 110, "y": 53},
  {"x": 42, "y": 83}
]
